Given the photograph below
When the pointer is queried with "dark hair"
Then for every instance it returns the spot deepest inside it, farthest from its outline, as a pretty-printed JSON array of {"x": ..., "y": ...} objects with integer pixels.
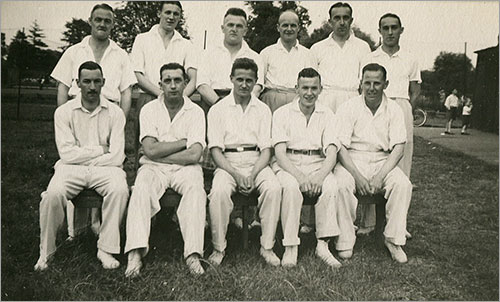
[
  {"x": 173, "y": 66},
  {"x": 309, "y": 73},
  {"x": 101, "y": 6},
  {"x": 245, "y": 63},
  {"x": 162, "y": 3},
  {"x": 339, "y": 4},
  {"x": 375, "y": 67},
  {"x": 389, "y": 15},
  {"x": 234, "y": 11},
  {"x": 89, "y": 65}
]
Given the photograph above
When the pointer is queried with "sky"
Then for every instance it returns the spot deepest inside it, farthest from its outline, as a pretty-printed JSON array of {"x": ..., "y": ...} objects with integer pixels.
[{"x": 430, "y": 26}]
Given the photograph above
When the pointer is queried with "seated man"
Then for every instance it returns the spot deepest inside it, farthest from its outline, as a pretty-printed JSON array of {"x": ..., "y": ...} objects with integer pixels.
[
  {"x": 173, "y": 138},
  {"x": 306, "y": 152},
  {"x": 372, "y": 131},
  {"x": 239, "y": 138},
  {"x": 90, "y": 140}
]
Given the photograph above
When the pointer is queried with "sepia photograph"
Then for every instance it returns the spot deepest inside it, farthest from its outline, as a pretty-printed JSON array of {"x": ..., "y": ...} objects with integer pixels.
[{"x": 249, "y": 150}]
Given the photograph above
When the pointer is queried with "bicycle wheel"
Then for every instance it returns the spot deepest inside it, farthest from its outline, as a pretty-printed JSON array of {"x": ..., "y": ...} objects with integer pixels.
[{"x": 419, "y": 117}]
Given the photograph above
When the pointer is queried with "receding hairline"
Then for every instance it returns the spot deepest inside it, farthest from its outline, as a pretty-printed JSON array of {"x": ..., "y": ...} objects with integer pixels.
[{"x": 290, "y": 12}]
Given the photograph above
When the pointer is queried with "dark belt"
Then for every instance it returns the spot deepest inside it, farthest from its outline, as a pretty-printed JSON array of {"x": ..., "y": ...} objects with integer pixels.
[
  {"x": 242, "y": 149},
  {"x": 304, "y": 152}
]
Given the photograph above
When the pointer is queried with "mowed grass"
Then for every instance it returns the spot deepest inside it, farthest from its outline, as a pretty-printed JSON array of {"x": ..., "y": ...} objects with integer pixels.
[{"x": 453, "y": 255}]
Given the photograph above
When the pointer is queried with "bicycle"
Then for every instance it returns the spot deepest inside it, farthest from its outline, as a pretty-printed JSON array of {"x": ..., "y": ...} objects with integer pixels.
[{"x": 419, "y": 117}]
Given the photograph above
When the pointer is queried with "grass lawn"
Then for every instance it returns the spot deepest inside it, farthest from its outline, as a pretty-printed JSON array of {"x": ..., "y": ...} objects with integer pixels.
[{"x": 453, "y": 255}]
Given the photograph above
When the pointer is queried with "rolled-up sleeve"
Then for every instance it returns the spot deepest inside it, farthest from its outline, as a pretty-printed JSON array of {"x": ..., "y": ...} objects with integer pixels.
[
  {"x": 215, "y": 128},
  {"x": 415, "y": 72},
  {"x": 397, "y": 129},
  {"x": 279, "y": 127},
  {"x": 147, "y": 123},
  {"x": 330, "y": 133},
  {"x": 264, "y": 140},
  {"x": 191, "y": 60},
  {"x": 63, "y": 70},
  {"x": 203, "y": 72},
  {"x": 137, "y": 55},
  {"x": 344, "y": 125},
  {"x": 127, "y": 77},
  {"x": 197, "y": 129}
]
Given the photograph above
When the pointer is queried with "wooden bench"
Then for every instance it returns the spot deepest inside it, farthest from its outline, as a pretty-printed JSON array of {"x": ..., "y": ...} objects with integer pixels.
[{"x": 379, "y": 201}]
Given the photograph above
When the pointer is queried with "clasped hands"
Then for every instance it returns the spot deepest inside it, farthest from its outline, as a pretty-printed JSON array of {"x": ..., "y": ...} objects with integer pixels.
[
  {"x": 245, "y": 184},
  {"x": 311, "y": 185},
  {"x": 369, "y": 187}
]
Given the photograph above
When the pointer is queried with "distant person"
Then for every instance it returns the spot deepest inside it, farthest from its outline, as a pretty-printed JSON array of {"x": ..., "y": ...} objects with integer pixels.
[
  {"x": 442, "y": 99},
  {"x": 338, "y": 58},
  {"x": 90, "y": 139},
  {"x": 466, "y": 113},
  {"x": 451, "y": 105},
  {"x": 283, "y": 61}
]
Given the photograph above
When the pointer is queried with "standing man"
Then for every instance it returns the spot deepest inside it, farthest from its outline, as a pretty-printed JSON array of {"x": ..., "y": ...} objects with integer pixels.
[
  {"x": 283, "y": 61},
  {"x": 451, "y": 105},
  {"x": 306, "y": 152},
  {"x": 173, "y": 138},
  {"x": 98, "y": 48},
  {"x": 239, "y": 138},
  {"x": 371, "y": 130},
  {"x": 162, "y": 44},
  {"x": 213, "y": 81},
  {"x": 403, "y": 74},
  {"x": 338, "y": 58},
  {"x": 90, "y": 140}
]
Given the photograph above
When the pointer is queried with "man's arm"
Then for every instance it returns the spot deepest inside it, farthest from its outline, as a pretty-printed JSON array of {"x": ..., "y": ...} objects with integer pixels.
[
  {"x": 257, "y": 89},
  {"x": 318, "y": 178},
  {"x": 62, "y": 93},
  {"x": 146, "y": 85},
  {"x": 362, "y": 184},
  {"x": 126, "y": 101},
  {"x": 391, "y": 162},
  {"x": 208, "y": 94},
  {"x": 155, "y": 150},
  {"x": 190, "y": 156},
  {"x": 261, "y": 163},
  {"x": 221, "y": 162},
  {"x": 191, "y": 85},
  {"x": 414, "y": 92}
]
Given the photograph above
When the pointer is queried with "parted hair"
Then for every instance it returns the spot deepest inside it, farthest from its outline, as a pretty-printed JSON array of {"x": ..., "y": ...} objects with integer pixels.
[
  {"x": 101, "y": 6},
  {"x": 173, "y": 66},
  {"x": 162, "y": 3},
  {"x": 245, "y": 63},
  {"x": 339, "y": 4},
  {"x": 389, "y": 15},
  {"x": 234, "y": 11},
  {"x": 309, "y": 73},
  {"x": 89, "y": 65},
  {"x": 375, "y": 67}
]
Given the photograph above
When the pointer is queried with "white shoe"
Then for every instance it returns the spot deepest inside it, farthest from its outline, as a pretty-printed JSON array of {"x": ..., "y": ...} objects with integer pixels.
[
  {"x": 41, "y": 264},
  {"x": 254, "y": 224},
  {"x": 397, "y": 252},
  {"x": 134, "y": 264},
  {"x": 345, "y": 254},
  {"x": 324, "y": 254},
  {"x": 194, "y": 265},
  {"x": 365, "y": 231},
  {"x": 305, "y": 229},
  {"x": 270, "y": 257},
  {"x": 216, "y": 257},
  {"x": 290, "y": 256},
  {"x": 107, "y": 260}
]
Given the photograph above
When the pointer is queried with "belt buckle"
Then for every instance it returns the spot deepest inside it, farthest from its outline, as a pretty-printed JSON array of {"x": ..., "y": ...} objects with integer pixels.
[{"x": 240, "y": 149}]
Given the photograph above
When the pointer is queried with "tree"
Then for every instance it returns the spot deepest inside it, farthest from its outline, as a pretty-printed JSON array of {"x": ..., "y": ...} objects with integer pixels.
[
  {"x": 451, "y": 71},
  {"x": 263, "y": 19},
  {"x": 76, "y": 30},
  {"x": 4, "y": 48},
  {"x": 21, "y": 52},
  {"x": 135, "y": 17},
  {"x": 326, "y": 29},
  {"x": 36, "y": 35}
]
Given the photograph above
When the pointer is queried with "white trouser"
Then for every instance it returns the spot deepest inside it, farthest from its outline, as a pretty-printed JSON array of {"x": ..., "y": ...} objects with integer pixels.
[
  {"x": 67, "y": 182},
  {"x": 326, "y": 213},
  {"x": 151, "y": 183},
  {"x": 221, "y": 205},
  {"x": 397, "y": 190},
  {"x": 368, "y": 211},
  {"x": 333, "y": 98},
  {"x": 275, "y": 98}
]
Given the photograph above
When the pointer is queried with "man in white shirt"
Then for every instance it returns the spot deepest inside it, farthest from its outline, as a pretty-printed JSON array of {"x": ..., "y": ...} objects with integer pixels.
[
  {"x": 306, "y": 152},
  {"x": 90, "y": 139},
  {"x": 338, "y": 58},
  {"x": 213, "y": 81},
  {"x": 403, "y": 74},
  {"x": 371, "y": 130},
  {"x": 239, "y": 138},
  {"x": 173, "y": 138},
  {"x": 283, "y": 61},
  {"x": 451, "y": 104}
]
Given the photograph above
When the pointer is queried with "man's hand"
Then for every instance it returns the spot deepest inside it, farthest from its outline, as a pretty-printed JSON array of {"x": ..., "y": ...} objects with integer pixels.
[
  {"x": 250, "y": 186},
  {"x": 242, "y": 183},
  {"x": 362, "y": 185},
  {"x": 316, "y": 182},
  {"x": 376, "y": 184}
]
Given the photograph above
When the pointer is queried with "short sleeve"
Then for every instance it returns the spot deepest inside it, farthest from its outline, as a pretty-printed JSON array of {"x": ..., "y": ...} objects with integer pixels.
[
  {"x": 137, "y": 55},
  {"x": 397, "y": 129},
  {"x": 330, "y": 133},
  {"x": 344, "y": 125},
  {"x": 128, "y": 77},
  {"x": 215, "y": 128},
  {"x": 265, "y": 128},
  {"x": 147, "y": 122},
  {"x": 196, "y": 132},
  {"x": 203, "y": 74},
  {"x": 279, "y": 127},
  {"x": 191, "y": 59},
  {"x": 63, "y": 70},
  {"x": 415, "y": 72}
]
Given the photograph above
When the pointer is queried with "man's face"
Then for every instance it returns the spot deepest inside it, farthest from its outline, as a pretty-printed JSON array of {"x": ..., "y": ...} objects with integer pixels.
[
  {"x": 455, "y": 92},
  {"x": 308, "y": 90},
  {"x": 341, "y": 21},
  {"x": 90, "y": 83},
  {"x": 373, "y": 85},
  {"x": 172, "y": 83},
  {"x": 288, "y": 27},
  {"x": 234, "y": 28},
  {"x": 243, "y": 82},
  {"x": 101, "y": 23},
  {"x": 391, "y": 31},
  {"x": 170, "y": 16}
]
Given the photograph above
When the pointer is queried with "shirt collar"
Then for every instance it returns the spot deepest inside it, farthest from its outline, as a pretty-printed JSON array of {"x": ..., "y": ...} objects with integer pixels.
[
  {"x": 381, "y": 108},
  {"x": 188, "y": 104},
  {"x": 318, "y": 108},
  {"x": 280, "y": 45},
  {"x": 155, "y": 31},
  {"x": 349, "y": 39},
  {"x": 244, "y": 47},
  {"x": 380, "y": 52},
  {"x": 86, "y": 43},
  {"x": 77, "y": 104},
  {"x": 232, "y": 102}
]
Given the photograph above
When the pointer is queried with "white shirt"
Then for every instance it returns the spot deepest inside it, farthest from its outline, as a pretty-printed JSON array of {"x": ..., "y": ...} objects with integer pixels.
[
  {"x": 451, "y": 101},
  {"x": 402, "y": 68},
  {"x": 115, "y": 63},
  {"x": 80, "y": 134},
  {"x": 228, "y": 125},
  {"x": 339, "y": 66},
  {"x": 216, "y": 64},
  {"x": 290, "y": 126},
  {"x": 282, "y": 67},
  {"x": 188, "y": 123},
  {"x": 360, "y": 130},
  {"x": 149, "y": 53}
]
